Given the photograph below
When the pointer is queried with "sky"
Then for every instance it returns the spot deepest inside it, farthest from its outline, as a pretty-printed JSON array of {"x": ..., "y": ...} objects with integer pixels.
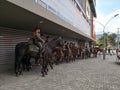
[{"x": 106, "y": 9}]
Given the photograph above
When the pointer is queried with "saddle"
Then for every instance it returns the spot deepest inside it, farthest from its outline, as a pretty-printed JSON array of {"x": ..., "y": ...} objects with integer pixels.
[{"x": 32, "y": 46}]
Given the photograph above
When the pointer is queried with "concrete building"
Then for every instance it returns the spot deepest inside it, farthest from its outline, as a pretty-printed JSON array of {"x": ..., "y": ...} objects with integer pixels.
[{"x": 71, "y": 19}]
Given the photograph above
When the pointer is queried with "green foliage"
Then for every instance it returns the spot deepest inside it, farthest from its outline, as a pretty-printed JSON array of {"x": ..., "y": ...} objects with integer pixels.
[
  {"x": 112, "y": 39},
  {"x": 109, "y": 38}
]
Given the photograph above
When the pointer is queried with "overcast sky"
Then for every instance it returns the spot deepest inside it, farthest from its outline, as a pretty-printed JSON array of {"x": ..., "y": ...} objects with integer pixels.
[{"x": 106, "y": 9}]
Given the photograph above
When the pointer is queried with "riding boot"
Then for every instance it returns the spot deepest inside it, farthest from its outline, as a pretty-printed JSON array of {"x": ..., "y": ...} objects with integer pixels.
[{"x": 41, "y": 51}]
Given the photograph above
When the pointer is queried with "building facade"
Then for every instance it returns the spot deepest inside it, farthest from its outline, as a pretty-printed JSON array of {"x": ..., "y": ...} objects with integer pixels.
[{"x": 71, "y": 19}]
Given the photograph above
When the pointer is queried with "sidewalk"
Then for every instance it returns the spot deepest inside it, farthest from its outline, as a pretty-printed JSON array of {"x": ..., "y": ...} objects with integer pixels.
[{"x": 89, "y": 74}]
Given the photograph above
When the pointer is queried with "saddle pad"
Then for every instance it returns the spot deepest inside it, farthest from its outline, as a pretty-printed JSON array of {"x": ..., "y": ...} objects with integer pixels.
[{"x": 33, "y": 48}]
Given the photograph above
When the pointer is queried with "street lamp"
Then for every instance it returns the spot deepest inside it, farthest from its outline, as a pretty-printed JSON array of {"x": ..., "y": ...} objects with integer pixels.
[
  {"x": 106, "y": 39},
  {"x": 118, "y": 38},
  {"x": 104, "y": 35}
]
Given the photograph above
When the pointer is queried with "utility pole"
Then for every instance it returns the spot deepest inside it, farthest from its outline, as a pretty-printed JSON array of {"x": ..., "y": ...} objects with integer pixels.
[{"x": 118, "y": 38}]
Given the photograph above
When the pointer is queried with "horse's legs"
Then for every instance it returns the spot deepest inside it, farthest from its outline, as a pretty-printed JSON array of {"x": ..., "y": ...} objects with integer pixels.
[
  {"x": 74, "y": 57},
  {"x": 51, "y": 65},
  {"x": 20, "y": 69},
  {"x": 24, "y": 63},
  {"x": 58, "y": 59},
  {"x": 28, "y": 64},
  {"x": 44, "y": 66},
  {"x": 66, "y": 58},
  {"x": 18, "y": 66},
  {"x": 37, "y": 62}
]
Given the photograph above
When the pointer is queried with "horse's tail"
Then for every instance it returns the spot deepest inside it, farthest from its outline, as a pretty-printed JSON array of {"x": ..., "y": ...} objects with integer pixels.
[
  {"x": 21, "y": 49},
  {"x": 16, "y": 59},
  {"x": 16, "y": 53}
]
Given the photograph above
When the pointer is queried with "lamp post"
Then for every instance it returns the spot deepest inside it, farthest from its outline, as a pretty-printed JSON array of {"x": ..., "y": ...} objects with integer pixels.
[
  {"x": 107, "y": 38},
  {"x": 118, "y": 38},
  {"x": 104, "y": 54}
]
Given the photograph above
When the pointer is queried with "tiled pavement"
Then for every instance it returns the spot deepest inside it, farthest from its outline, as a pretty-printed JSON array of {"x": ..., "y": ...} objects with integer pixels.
[{"x": 89, "y": 74}]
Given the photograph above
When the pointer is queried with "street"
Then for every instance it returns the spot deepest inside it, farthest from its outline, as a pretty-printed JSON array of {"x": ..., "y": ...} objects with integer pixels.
[{"x": 83, "y": 74}]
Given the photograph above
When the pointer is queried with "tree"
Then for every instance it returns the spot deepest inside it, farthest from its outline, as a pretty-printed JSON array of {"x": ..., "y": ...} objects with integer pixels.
[
  {"x": 112, "y": 39},
  {"x": 101, "y": 39},
  {"x": 109, "y": 39}
]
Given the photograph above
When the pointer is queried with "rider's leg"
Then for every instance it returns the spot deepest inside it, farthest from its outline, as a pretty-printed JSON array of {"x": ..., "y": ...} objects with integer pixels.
[{"x": 40, "y": 49}]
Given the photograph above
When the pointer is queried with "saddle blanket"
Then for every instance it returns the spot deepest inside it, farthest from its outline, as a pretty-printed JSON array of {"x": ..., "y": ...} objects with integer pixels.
[{"x": 33, "y": 48}]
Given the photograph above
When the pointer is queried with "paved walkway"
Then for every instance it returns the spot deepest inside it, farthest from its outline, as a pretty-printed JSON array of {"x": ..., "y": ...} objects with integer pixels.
[{"x": 89, "y": 74}]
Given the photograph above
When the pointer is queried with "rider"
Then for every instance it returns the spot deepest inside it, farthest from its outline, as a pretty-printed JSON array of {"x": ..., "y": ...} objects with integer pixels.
[{"x": 37, "y": 40}]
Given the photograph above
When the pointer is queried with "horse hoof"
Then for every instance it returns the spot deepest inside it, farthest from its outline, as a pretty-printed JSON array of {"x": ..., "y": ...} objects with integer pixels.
[
  {"x": 43, "y": 75},
  {"x": 46, "y": 73},
  {"x": 21, "y": 73},
  {"x": 28, "y": 70},
  {"x": 17, "y": 75},
  {"x": 47, "y": 69},
  {"x": 51, "y": 67}
]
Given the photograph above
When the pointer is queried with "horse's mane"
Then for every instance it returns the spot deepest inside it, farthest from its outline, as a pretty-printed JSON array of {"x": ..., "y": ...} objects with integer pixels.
[
  {"x": 53, "y": 41},
  {"x": 56, "y": 38}
]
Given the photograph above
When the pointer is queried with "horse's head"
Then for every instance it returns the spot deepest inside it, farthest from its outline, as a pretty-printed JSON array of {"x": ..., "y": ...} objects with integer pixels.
[{"x": 59, "y": 41}]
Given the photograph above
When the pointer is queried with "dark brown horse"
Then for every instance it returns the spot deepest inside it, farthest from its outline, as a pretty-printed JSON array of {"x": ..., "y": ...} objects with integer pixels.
[
  {"x": 49, "y": 52},
  {"x": 23, "y": 55}
]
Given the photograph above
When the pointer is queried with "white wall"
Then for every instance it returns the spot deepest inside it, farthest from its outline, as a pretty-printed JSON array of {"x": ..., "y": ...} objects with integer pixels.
[{"x": 67, "y": 11}]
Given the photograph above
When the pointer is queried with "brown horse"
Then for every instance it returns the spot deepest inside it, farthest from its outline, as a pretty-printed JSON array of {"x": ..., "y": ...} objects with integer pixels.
[
  {"x": 68, "y": 53},
  {"x": 58, "y": 55}
]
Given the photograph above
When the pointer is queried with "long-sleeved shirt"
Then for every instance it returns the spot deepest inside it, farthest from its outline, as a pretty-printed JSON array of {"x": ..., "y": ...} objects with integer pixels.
[{"x": 38, "y": 37}]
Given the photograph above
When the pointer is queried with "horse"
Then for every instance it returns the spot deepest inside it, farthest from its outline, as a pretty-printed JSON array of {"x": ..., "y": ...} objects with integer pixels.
[
  {"x": 68, "y": 56},
  {"x": 49, "y": 53},
  {"x": 58, "y": 55},
  {"x": 75, "y": 51},
  {"x": 23, "y": 55},
  {"x": 80, "y": 50}
]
